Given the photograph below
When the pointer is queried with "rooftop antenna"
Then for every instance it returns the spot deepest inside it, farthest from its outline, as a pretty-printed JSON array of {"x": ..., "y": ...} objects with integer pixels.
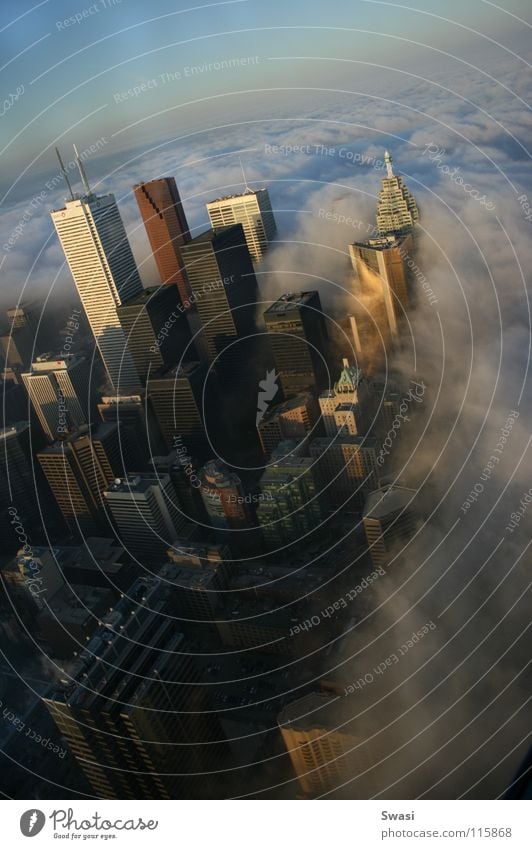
[
  {"x": 64, "y": 173},
  {"x": 244, "y": 175},
  {"x": 388, "y": 160},
  {"x": 82, "y": 172}
]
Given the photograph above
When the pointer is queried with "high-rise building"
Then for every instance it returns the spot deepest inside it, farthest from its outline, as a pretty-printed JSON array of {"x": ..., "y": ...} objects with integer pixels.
[
  {"x": 18, "y": 486},
  {"x": 388, "y": 519},
  {"x": 132, "y": 708},
  {"x": 156, "y": 329},
  {"x": 324, "y": 747},
  {"x": 146, "y": 513},
  {"x": 18, "y": 341},
  {"x": 166, "y": 225},
  {"x": 382, "y": 278},
  {"x": 60, "y": 391},
  {"x": 346, "y": 466},
  {"x": 224, "y": 288},
  {"x": 177, "y": 397},
  {"x": 78, "y": 470},
  {"x": 253, "y": 210},
  {"x": 139, "y": 431},
  {"x": 397, "y": 211},
  {"x": 349, "y": 391},
  {"x": 290, "y": 504},
  {"x": 223, "y": 496},
  {"x": 299, "y": 341},
  {"x": 183, "y": 471},
  {"x": 293, "y": 419},
  {"x": 100, "y": 259},
  {"x": 197, "y": 572}
]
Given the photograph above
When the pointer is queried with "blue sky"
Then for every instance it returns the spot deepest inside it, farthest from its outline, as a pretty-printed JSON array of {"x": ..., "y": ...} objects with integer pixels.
[{"x": 73, "y": 73}]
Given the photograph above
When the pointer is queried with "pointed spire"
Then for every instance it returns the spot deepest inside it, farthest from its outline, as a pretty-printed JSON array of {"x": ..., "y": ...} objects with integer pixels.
[
  {"x": 388, "y": 161},
  {"x": 64, "y": 173},
  {"x": 246, "y": 187},
  {"x": 82, "y": 172}
]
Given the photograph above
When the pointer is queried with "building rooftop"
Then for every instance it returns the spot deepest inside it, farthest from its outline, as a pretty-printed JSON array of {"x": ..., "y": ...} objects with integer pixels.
[
  {"x": 286, "y": 406},
  {"x": 247, "y": 192},
  {"x": 289, "y": 302},
  {"x": 13, "y": 429},
  {"x": 208, "y": 236},
  {"x": 387, "y": 499},
  {"x": 136, "y": 483}
]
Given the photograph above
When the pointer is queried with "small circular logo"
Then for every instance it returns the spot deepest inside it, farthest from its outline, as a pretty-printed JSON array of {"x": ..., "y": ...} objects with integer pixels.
[{"x": 32, "y": 822}]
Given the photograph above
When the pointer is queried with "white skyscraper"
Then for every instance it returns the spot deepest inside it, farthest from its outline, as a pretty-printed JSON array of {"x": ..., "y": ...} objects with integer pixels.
[
  {"x": 98, "y": 253},
  {"x": 253, "y": 210}
]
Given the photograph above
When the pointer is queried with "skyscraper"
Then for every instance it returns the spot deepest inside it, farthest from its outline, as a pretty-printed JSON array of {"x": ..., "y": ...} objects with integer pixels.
[
  {"x": 78, "y": 470},
  {"x": 397, "y": 211},
  {"x": 156, "y": 329},
  {"x": 132, "y": 708},
  {"x": 347, "y": 467},
  {"x": 290, "y": 506},
  {"x": 382, "y": 278},
  {"x": 60, "y": 391},
  {"x": 99, "y": 256},
  {"x": 224, "y": 286},
  {"x": 17, "y": 343},
  {"x": 223, "y": 496},
  {"x": 293, "y": 419},
  {"x": 325, "y": 749},
  {"x": 17, "y": 483},
  {"x": 139, "y": 432},
  {"x": 146, "y": 513},
  {"x": 253, "y": 210},
  {"x": 388, "y": 519},
  {"x": 299, "y": 341},
  {"x": 349, "y": 389},
  {"x": 166, "y": 225},
  {"x": 176, "y": 397}
]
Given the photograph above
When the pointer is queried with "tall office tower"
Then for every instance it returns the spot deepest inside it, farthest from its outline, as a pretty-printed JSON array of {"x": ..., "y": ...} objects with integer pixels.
[
  {"x": 60, "y": 391},
  {"x": 18, "y": 488},
  {"x": 197, "y": 573},
  {"x": 350, "y": 390},
  {"x": 299, "y": 341},
  {"x": 156, "y": 329},
  {"x": 253, "y": 210},
  {"x": 389, "y": 520},
  {"x": 177, "y": 397},
  {"x": 223, "y": 496},
  {"x": 78, "y": 470},
  {"x": 183, "y": 471},
  {"x": 146, "y": 512},
  {"x": 347, "y": 468},
  {"x": 18, "y": 340},
  {"x": 397, "y": 211},
  {"x": 224, "y": 288},
  {"x": 99, "y": 256},
  {"x": 132, "y": 709},
  {"x": 324, "y": 743},
  {"x": 382, "y": 278},
  {"x": 293, "y": 419},
  {"x": 385, "y": 401},
  {"x": 290, "y": 505},
  {"x": 139, "y": 431},
  {"x": 369, "y": 345},
  {"x": 166, "y": 225}
]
